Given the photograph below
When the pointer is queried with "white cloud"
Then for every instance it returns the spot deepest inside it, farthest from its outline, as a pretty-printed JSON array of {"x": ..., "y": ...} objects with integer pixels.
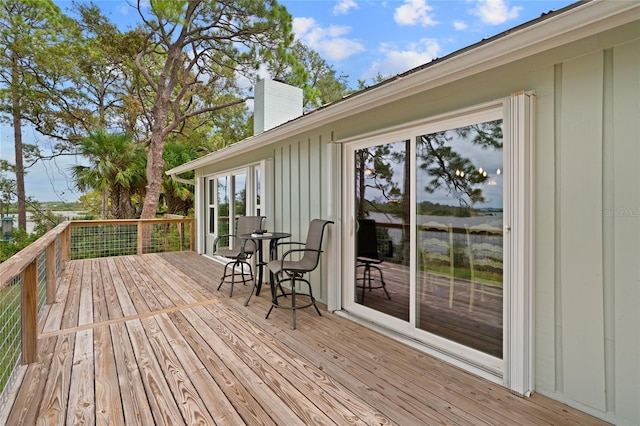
[
  {"x": 414, "y": 12},
  {"x": 302, "y": 25},
  {"x": 460, "y": 25},
  {"x": 396, "y": 61},
  {"x": 329, "y": 42},
  {"x": 495, "y": 12},
  {"x": 343, "y": 7}
]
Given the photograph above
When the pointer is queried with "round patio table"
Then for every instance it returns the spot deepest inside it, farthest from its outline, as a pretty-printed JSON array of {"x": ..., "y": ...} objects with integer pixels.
[{"x": 273, "y": 238}]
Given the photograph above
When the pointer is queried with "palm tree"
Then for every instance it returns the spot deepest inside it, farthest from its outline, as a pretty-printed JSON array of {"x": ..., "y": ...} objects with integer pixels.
[{"x": 117, "y": 169}]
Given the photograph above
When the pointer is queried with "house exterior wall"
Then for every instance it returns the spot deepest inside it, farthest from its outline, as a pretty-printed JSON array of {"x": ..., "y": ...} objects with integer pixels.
[
  {"x": 298, "y": 189},
  {"x": 587, "y": 206},
  {"x": 587, "y": 211}
]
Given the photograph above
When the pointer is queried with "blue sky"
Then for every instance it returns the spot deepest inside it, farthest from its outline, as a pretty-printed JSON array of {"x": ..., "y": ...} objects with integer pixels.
[
  {"x": 364, "y": 38},
  {"x": 357, "y": 38}
]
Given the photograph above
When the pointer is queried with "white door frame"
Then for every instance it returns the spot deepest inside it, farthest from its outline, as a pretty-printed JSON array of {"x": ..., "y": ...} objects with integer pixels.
[{"x": 515, "y": 370}]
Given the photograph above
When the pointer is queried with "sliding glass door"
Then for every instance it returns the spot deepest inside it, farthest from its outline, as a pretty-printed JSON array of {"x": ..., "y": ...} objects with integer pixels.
[
  {"x": 459, "y": 210},
  {"x": 427, "y": 241}
]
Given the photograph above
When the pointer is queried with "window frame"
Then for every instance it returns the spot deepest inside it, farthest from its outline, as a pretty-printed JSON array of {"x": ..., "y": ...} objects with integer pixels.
[{"x": 254, "y": 193}]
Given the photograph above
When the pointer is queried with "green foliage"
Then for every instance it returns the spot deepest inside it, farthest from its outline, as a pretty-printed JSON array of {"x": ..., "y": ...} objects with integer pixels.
[
  {"x": 84, "y": 74},
  {"x": 10, "y": 350},
  {"x": 190, "y": 59},
  {"x": 449, "y": 169},
  {"x": 117, "y": 166},
  {"x": 7, "y": 186},
  {"x": 320, "y": 82},
  {"x": 20, "y": 240}
]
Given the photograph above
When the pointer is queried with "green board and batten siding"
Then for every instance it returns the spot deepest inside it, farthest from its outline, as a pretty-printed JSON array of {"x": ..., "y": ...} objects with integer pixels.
[
  {"x": 580, "y": 251},
  {"x": 300, "y": 192},
  {"x": 596, "y": 234},
  {"x": 622, "y": 266}
]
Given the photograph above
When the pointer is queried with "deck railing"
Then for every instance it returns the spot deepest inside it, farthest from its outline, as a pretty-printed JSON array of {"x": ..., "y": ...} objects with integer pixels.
[{"x": 28, "y": 279}]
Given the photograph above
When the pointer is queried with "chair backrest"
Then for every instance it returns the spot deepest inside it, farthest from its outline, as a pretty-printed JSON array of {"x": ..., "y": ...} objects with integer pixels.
[
  {"x": 367, "y": 239},
  {"x": 484, "y": 246},
  {"x": 436, "y": 244},
  {"x": 310, "y": 259},
  {"x": 246, "y": 225}
]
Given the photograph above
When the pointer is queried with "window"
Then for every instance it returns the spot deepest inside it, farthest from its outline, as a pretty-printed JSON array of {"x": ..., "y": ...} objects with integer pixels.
[{"x": 231, "y": 194}]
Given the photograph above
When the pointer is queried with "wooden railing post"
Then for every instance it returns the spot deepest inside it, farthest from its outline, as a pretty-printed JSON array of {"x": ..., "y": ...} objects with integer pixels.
[
  {"x": 140, "y": 237},
  {"x": 51, "y": 272},
  {"x": 29, "y": 313},
  {"x": 65, "y": 246},
  {"x": 67, "y": 238}
]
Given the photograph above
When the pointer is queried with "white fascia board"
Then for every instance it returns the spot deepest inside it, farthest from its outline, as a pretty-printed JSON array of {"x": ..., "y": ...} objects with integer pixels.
[{"x": 582, "y": 21}]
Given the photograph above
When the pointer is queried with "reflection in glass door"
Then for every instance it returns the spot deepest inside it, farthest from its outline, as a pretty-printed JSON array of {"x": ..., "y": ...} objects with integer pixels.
[
  {"x": 428, "y": 244},
  {"x": 232, "y": 202},
  {"x": 224, "y": 193},
  {"x": 383, "y": 227},
  {"x": 459, "y": 211},
  {"x": 228, "y": 195}
]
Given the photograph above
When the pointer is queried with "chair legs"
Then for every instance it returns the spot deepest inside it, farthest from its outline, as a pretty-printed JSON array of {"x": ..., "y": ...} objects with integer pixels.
[
  {"x": 367, "y": 280},
  {"x": 294, "y": 306},
  {"x": 230, "y": 277}
]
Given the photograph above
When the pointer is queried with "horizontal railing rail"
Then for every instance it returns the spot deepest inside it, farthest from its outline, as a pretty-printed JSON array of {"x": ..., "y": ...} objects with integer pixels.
[{"x": 28, "y": 279}]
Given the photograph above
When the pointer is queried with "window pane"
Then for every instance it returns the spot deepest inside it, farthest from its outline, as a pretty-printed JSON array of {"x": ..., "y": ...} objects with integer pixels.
[
  {"x": 383, "y": 214},
  {"x": 212, "y": 191},
  {"x": 459, "y": 235},
  {"x": 212, "y": 220},
  {"x": 223, "y": 205},
  {"x": 240, "y": 189}
]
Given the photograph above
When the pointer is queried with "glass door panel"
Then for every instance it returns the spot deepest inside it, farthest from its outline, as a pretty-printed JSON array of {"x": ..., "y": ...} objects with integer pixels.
[
  {"x": 257, "y": 192},
  {"x": 383, "y": 228},
  {"x": 223, "y": 196},
  {"x": 211, "y": 206},
  {"x": 459, "y": 242},
  {"x": 240, "y": 194}
]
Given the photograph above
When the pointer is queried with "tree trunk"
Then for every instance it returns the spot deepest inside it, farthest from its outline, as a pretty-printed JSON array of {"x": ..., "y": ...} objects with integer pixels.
[
  {"x": 155, "y": 168},
  {"x": 105, "y": 203},
  {"x": 160, "y": 128},
  {"x": 17, "y": 135}
]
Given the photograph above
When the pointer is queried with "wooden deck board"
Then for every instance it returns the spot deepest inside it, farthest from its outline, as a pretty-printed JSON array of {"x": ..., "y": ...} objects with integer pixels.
[
  {"x": 107, "y": 390},
  {"x": 81, "y": 397},
  {"x": 56, "y": 310},
  {"x": 53, "y": 406},
  {"x": 159, "y": 395},
  {"x": 135, "y": 405},
  {"x": 149, "y": 340},
  {"x": 223, "y": 385}
]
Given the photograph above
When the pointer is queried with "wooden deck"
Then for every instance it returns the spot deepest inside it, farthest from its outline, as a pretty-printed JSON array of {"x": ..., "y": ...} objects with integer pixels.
[
  {"x": 478, "y": 326},
  {"x": 148, "y": 340}
]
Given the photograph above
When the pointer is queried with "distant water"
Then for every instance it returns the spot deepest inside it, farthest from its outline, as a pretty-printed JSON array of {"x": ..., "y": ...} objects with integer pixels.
[
  {"x": 67, "y": 215},
  {"x": 494, "y": 219}
]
